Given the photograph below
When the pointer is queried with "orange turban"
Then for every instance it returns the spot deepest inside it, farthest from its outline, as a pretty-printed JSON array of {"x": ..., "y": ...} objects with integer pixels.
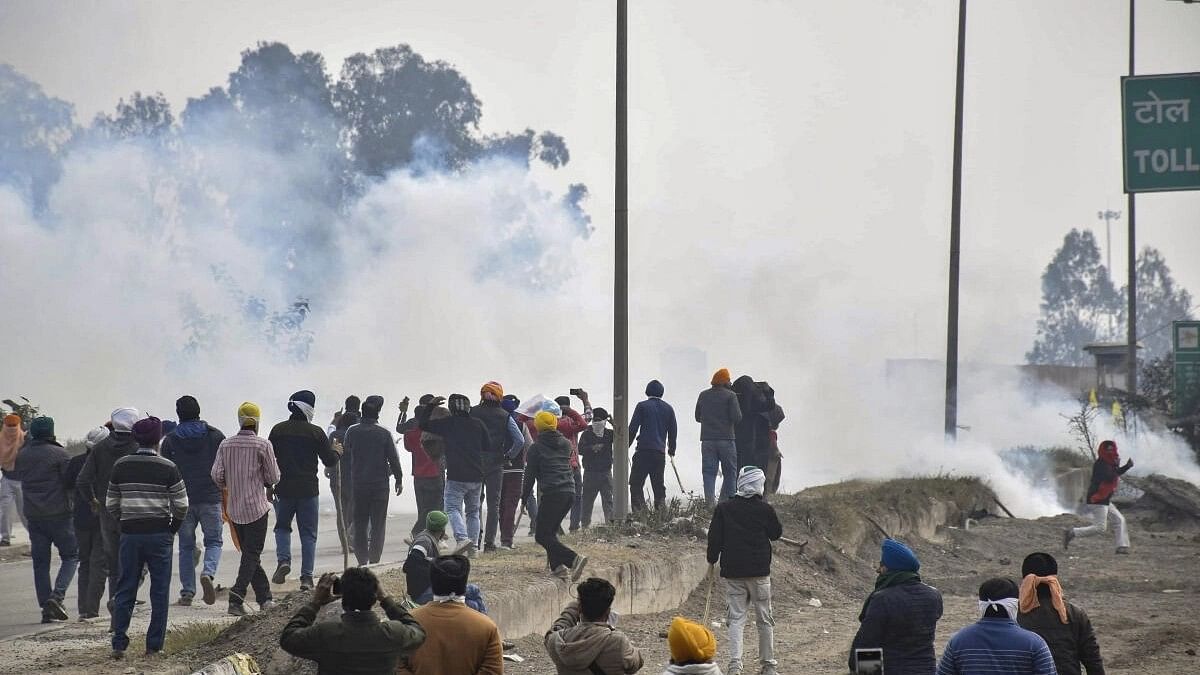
[{"x": 722, "y": 376}]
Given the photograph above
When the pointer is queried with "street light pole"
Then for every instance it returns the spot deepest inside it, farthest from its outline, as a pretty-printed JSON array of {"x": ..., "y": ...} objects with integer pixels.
[
  {"x": 1108, "y": 216},
  {"x": 621, "y": 282},
  {"x": 1131, "y": 373},
  {"x": 951, "y": 428}
]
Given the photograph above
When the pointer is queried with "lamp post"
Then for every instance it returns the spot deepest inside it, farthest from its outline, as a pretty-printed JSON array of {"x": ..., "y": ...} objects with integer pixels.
[
  {"x": 951, "y": 428},
  {"x": 621, "y": 281}
]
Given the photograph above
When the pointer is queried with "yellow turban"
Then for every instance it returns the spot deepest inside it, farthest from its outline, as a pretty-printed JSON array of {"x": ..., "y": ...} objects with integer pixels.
[
  {"x": 545, "y": 421},
  {"x": 492, "y": 391},
  {"x": 249, "y": 413},
  {"x": 722, "y": 376},
  {"x": 690, "y": 642}
]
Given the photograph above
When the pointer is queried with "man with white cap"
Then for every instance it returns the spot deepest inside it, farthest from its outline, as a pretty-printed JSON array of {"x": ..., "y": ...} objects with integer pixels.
[
  {"x": 92, "y": 486},
  {"x": 740, "y": 537}
]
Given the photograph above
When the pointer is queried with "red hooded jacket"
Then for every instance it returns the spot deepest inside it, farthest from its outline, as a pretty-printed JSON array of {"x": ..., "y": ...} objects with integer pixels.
[{"x": 1106, "y": 474}]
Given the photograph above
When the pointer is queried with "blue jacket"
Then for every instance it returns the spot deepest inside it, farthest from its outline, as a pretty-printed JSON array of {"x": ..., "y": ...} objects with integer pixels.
[
  {"x": 193, "y": 447},
  {"x": 655, "y": 419},
  {"x": 998, "y": 647}
]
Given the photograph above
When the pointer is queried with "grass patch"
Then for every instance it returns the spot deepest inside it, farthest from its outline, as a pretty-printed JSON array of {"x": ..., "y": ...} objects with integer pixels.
[{"x": 181, "y": 638}]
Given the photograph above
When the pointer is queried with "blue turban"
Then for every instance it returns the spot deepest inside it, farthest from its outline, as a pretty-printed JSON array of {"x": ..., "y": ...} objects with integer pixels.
[{"x": 898, "y": 558}]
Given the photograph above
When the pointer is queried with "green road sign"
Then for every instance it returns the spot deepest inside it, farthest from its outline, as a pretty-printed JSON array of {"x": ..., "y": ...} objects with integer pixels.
[
  {"x": 1161, "y": 132},
  {"x": 1187, "y": 367}
]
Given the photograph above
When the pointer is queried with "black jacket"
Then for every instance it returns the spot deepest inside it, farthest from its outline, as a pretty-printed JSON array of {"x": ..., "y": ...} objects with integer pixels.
[
  {"x": 596, "y": 452},
  {"x": 375, "y": 456},
  {"x": 740, "y": 536},
  {"x": 41, "y": 467},
  {"x": 358, "y": 644},
  {"x": 298, "y": 443},
  {"x": 85, "y": 517},
  {"x": 753, "y": 400},
  {"x": 465, "y": 439},
  {"x": 548, "y": 464},
  {"x": 718, "y": 413},
  {"x": 1071, "y": 643},
  {"x": 901, "y": 620},
  {"x": 193, "y": 447},
  {"x": 93, "y": 478},
  {"x": 495, "y": 419}
]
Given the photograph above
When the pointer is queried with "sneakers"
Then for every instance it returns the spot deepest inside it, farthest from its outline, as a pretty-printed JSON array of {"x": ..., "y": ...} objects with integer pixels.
[
  {"x": 507, "y": 645},
  {"x": 267, "y": 604},
  {"x": 209, "y": 590},
  {"x": 87, "y": 617},
  {"x": 184, "y": 601},
  {"x": 281, "y": 573},
  {"x": 735, "y": 667},
  {"x": 54, "y": 610},
  {"x": 1068, "y": 535},
  {"x": 768, "y": 669},
  {"x": 562, "y": 572},
  {"x": 5, "y": 542},
  {"x": 236, "y": 609},
  {"x": 462, "y": 548},
  {"x": 1122, "y": 550},
  {"x": 577, "y": 567},
  {"x": 306, "y": 583},
  {"x": 489, "y": 548}
]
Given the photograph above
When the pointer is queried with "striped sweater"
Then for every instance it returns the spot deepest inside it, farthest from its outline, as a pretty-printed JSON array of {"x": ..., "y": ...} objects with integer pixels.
[
  {"x": 996, "y": 646},
  {"x": 146, "y": 494}
]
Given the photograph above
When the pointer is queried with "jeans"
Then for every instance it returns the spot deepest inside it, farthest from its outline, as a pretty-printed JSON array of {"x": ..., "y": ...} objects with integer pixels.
[
  {"x": 11, "y": 499},
  {"x": 554, "y": 507},
  {"x": 42, "y": 533},
  {"x": 721, "y": 454},
  {"x": 597, "y": 481},
  {"x": 90, "y": 572},
  {"x": 306, "y": 512},
  {"x": 577, "y": 505},
  {"x": 493, "y": 481},
  {"x": 457, "y": 493},
  {"x": 370, "y": 522},
  {"x": 431, "y": 495},
  {"x": 741, "y": 594},
  {"x": 109, "y": 545},
  {"x": 208, "y": 517},
  {"x": 647, "y": 464},
  {"x": 250, "y": 572},
  {"x": 153, "y": 551},
  {"x": 1100, "y": 514}
]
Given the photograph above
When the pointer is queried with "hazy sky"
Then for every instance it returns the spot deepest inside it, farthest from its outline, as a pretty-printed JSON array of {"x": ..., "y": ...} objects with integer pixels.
[{"x": 789, "y": 160}]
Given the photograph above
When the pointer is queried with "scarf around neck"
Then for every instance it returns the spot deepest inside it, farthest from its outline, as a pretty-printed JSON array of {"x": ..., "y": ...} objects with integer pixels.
[
  {"x": 887, "y": 580},
  {"x": 1029, "y": 600}
]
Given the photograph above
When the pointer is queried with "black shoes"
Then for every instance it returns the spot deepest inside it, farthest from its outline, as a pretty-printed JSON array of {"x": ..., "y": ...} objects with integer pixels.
[
  {"x": 281, "y": 573},
  {"x": 210, "y": 591},
  {"x": 54, "y": 610}
]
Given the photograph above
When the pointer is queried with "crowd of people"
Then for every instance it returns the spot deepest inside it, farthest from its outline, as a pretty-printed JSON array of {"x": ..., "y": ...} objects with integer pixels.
[{"x": 116, "y": 511}]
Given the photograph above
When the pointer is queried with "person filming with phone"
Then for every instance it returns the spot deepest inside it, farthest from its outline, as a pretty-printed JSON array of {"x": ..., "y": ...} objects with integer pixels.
[{"x": 358, "y": 642}]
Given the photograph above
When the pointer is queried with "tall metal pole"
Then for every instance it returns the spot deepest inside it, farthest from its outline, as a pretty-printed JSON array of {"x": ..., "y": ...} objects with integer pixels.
[
  {"x": 621, "y": 282},
  {"x": 955, "y": 226},
  {"x": 1131, "y": 356}
]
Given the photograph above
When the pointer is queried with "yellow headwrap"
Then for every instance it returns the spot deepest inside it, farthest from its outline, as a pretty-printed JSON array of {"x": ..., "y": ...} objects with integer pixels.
[
  {"x": 249, "y": 412},
  {"x": 545, "y": 421},
  {"x": 492, "y": 391},
  {"x": 690, "y": 642}
]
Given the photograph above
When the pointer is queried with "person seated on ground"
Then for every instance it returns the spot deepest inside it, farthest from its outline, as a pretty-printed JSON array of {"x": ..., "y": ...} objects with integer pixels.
[
  {"x": 584, "y": 639},
  {"x": 359, "y": 642},
  {"x": 421, "y": 554},
  {"x": 459, "y": 640},
  {"x": 995, "y": 644},
  {"x": 900, "y": 616},
  {"x": 1064, "y": 626},
  {"x": 693, "y": 648}
]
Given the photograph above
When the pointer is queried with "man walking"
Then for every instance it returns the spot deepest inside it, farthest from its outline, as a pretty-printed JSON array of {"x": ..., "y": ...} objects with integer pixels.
[
  {"x": 147, "y": 497},
  {"x": 92, "y": 486},
  {"x": 653, "y": 425},
  {"x": 193, "y": 447},
  {"x": 375, "y": 458},
  {"x": 740, "y": 537},
  {"x": 298, "y": 443},
  {"x": 246, "y": 468},
  {"x": 995, "y": 644},
  {"x": 502, "y": 443},
  {"x": 570, "y": 425},
  {"x": 900, "y": 617},
  {"x": 751, "y": 431},
  {"x": 466, "y": 439},
  {"x": 596, "y": 455},
  {"x": 12, "y": 437},
  {"x": 428, "y": 470},
  {"x": 41, "y": 466},
  {"x": 339, "y": 476},
  {"x": 1064, "y": 625},
  {"x": 92, "y": 569},
  {"x": 548, "y": 465},
  {"x": 718, "y": 412},
  {"x": 1106, "y": 475}
]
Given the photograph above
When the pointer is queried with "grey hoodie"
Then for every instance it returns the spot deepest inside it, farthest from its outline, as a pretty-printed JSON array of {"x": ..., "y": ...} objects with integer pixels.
[
  {"x": 693, "y": 669},
  {"x": 574, "y": 645}
]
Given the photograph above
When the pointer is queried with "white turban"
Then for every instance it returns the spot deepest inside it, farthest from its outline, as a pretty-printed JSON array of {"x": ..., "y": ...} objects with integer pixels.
[
  {"x": 751, "y": 482},
  {"x": 123, "y": 419},
  {"x": 95, "y": 436}
]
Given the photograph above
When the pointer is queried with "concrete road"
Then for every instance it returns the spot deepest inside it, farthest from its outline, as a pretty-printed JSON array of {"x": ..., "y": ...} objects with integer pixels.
[{"x": 20, "y": 615}]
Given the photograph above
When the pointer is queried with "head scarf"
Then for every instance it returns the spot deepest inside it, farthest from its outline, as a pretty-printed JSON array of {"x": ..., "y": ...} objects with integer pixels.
[
  {"x": 303, "y": 402},
  {"x": 492, "y": 391},
  {"x": 545, "y": 421},
  {"x": 510, "y": 403},
  {"x": 123, "y": 419},
  {"x": 1108, "y": 452},
  {"x": 721, "y": 377},
  {"x": 690, "y": 642},
  {"x": 458, "y": 404},
  {"x": 751, "y": 481},
  {"x": 1009, "y": 605},
  {"x": 12, "y": 437},
  {"x": 95, "y": 436},
  {"x": 248, "y": 413},
  {"x": 1028, "y": 600},
  {"x": 897, "y": 557}
]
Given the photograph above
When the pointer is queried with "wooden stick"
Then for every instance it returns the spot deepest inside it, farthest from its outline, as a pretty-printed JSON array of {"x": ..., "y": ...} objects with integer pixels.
[
  {"x": 1001, "y": 505},
  {"x": 793, "y": 542}
]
